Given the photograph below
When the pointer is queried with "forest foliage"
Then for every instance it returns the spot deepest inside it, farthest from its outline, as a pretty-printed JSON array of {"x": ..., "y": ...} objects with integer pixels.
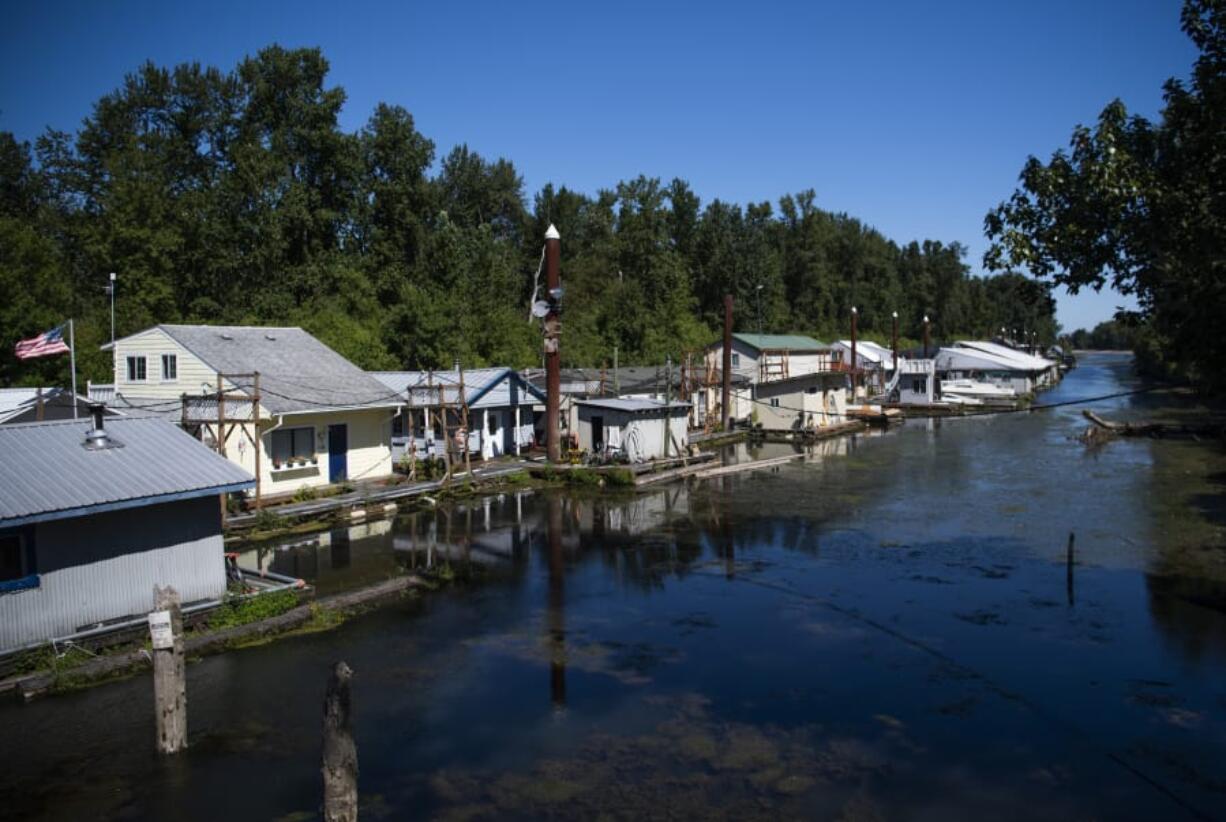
[
  {"x": 236, "y": 197},
  {"x": 1141, "y": 206}
]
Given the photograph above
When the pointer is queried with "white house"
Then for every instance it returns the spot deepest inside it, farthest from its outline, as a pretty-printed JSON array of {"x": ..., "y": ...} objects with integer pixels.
[
  {"x": 1043, "y": 371},
  {"x": 874, "y": 362},
  {"x": 806, "y": 402},
  {"x": 765, "y": 357},
  {"x": 321, "y": 419},
  {"x": 961, "y": 362},
  {"x": 641, "y": 429},
  {"x": 499, "y": 401},
  {"x": 95, "y": 513}
]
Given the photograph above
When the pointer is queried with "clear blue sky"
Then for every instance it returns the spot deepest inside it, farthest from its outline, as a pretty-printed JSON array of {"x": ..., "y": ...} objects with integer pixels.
[{"x": 915, "y": 117}]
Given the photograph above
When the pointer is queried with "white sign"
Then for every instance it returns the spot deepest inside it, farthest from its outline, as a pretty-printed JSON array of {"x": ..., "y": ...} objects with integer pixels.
[{"x": 159, "y": 629}]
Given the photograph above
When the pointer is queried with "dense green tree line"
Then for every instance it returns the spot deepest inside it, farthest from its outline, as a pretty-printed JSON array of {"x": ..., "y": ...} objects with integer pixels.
[
  {"x": 1110, "y": 335},
  {"x": 1142, "y": 206},
  {"x": 235, "y": 197}
]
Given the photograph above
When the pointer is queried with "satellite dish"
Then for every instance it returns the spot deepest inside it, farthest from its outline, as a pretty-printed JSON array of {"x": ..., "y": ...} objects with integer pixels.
[{"x": 540, "y": 308}]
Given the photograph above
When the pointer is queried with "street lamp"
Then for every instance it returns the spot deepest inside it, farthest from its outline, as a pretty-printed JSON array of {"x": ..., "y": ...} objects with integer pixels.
[
  {"x": 925, "y": 336},
  {"x": 854, "y": 362},
  {"x": 110, "y": 289},
  {"x": 894, "y": 316}
]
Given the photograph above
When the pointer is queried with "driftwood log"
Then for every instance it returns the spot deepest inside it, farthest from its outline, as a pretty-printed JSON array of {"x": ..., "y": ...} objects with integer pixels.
[
  {"x": 1105, "y": 429},
  {"x": 340, "y": 768}
]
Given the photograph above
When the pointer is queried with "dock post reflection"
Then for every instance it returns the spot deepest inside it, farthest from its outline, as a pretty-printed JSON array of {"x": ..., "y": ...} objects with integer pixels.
[{"x": 556, "y": 612}]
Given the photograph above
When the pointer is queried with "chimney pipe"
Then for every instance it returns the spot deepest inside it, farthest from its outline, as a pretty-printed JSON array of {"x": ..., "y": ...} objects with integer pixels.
[{"x": 97, "y": 439}]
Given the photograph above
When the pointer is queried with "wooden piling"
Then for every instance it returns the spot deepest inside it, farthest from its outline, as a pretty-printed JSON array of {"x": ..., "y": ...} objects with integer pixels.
[
  {"x": 340, "y": 754},
  {"x": 169, "y": 670}
]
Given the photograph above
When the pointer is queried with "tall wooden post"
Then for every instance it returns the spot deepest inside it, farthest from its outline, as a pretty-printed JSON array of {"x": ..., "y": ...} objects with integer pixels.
[
  {"x": 221, "y": 435},
  {"x": 553, "y": 357},
  {"x": 255, "y": 435},
  {"x": 854, "y": 362},
  {"x": 464, "y": 424},
  {"x": 725, "y": 395},
  {"x": 169, "y": 671},
  {"x": 895, "y": 318},
  {"x": 340, "y": 753},
  {"x": 925, "y": 336}
]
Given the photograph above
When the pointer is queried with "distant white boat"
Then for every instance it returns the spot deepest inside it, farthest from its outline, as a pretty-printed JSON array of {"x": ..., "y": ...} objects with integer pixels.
[{"x": 976, "y": 392}]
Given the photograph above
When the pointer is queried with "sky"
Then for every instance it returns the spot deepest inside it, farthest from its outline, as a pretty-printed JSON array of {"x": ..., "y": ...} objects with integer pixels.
[{"x": 915, "y": 117}]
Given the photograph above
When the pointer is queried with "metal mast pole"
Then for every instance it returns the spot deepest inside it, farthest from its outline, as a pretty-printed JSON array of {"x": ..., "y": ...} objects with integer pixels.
[
  {"x": 854, "y": 361},
  {"x": 553, "y": 359},
  {"x": 72, "y": 350}
]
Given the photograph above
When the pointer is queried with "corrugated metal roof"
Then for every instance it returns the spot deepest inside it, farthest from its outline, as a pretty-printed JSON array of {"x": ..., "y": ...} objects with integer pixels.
[
  {"x": 298, "y": 373},
  {"x": 1021, "y": 357},
  {"x": 635, "y": 405},
  {"x": 772, "y": 342},
  {"x": 47, "y": 473}
]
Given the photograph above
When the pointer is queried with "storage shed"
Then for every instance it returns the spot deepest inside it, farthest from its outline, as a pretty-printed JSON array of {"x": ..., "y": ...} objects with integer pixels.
[
  {"x": 91, "y": 522},
  {"x": 637, "y": 428}
]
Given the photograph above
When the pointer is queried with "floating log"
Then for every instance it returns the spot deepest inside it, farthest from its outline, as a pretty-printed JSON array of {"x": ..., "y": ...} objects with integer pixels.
[{"x": 1147, "y": 428}]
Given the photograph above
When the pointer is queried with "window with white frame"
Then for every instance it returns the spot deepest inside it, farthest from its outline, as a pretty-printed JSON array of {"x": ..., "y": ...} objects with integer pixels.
[
  {"x": 170, "y": 367},
  {"x": 290, "y": 445},
  {"x": 736, "y": 360},
  {"x": 136, "y": 369}
]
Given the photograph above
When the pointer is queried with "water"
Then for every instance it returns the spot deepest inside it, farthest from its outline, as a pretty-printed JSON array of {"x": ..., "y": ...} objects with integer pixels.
[{"x": 885, "y": 631}]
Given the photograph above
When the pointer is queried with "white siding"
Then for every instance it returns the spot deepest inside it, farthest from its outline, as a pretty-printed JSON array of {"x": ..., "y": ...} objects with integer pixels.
[
  {"x": 104, "y": 567},
  {"x": 369, "y": 454},
  {"x": 648, "y": 431},
  {"x": 193, "y": 374}
]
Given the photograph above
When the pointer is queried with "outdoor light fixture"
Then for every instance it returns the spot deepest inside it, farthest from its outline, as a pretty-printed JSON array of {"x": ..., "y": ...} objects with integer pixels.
[
  {"x": 556, "y": 293},
  {"x": 853, "y": 310}
]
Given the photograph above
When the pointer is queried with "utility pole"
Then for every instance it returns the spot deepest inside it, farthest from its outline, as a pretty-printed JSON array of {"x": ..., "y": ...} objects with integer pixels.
[
  {"x": 668, "y": 401},
  {"x": 169, "y": 671},
  {"x": 553, "y": 358},
  {"x": 726, "y": 389},
  {"x": 854, "y": 361}
]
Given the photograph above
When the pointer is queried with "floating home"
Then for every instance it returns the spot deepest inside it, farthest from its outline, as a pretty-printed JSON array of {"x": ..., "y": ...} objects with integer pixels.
[
  {"x": 313, "y": 419},
  {"x": 499, "y": 401},
  {"x": 94, "y": 513},
  {"x": 874, "y": 362},
  {"x": 959, "y": 362},
  {"x": 765, "y": 357},
  {"x": 639, "y": 429},
  {"x": 804, "y": 403},
  {"x": 36, "y": 404},
  {"x": 1044, "y": 372}
]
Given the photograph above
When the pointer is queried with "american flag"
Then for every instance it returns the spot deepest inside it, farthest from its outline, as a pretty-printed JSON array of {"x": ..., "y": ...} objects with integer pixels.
[{"x": 44, "y": 345}]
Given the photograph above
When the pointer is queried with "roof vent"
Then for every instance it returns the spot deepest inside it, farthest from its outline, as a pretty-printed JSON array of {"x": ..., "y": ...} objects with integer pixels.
[
  {"x": 270, "y": 337},
  {"x": 226, "y": 336},
  {"x": 97, "y": 439}
]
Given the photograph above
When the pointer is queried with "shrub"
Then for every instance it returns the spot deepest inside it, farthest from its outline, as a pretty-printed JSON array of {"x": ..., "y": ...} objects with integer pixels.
[
  {"x": 237, "y": 611},
  {"x": 305, "y": 494}
]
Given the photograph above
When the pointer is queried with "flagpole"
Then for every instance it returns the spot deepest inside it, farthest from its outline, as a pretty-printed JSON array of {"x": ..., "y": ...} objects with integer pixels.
[{"x": 72, "y": 350}]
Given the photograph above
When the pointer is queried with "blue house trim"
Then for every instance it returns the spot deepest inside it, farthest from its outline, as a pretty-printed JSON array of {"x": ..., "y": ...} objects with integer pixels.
[{"x": 515, "y": 377}]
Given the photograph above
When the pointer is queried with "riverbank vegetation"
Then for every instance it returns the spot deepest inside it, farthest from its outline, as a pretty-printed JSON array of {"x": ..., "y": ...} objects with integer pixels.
[
  {"x": 1138, "y": 205},
  {"x": 234, "y": 196}
]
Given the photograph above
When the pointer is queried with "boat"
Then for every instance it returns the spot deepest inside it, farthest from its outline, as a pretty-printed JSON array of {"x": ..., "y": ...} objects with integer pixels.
[{"x": 976, "y": 392}]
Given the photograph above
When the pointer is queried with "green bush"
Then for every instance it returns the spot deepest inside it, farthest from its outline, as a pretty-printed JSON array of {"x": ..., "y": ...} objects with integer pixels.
[
  {"x": 237, "y": 611},
  {"x": 620, "y": 477},
  {"x": 305, "y": 494},
  {"x": 266, "y": 520}
]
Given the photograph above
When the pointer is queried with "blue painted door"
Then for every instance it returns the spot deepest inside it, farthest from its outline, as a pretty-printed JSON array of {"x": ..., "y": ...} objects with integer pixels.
[{"x": 338, "y": 453}]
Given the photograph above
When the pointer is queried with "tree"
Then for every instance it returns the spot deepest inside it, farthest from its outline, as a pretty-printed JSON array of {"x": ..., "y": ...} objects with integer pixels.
[{"x": 1139, "y": 205}]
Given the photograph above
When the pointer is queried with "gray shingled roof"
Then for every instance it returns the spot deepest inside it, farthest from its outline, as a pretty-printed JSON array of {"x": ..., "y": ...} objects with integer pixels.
[
  {"x": 298, "y": 373},
  {"x": 47, "y": 473}
]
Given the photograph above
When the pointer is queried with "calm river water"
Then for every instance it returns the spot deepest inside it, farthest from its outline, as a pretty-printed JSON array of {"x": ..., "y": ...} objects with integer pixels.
[{"x": 885, "y": 631}]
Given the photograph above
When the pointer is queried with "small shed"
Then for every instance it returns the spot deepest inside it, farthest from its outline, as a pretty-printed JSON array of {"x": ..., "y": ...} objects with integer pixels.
[
  {"x": 23, "y": 405},
  {"x": 641, "y": 429},
  {"x": 806, "y": 402},
  {"x": 93, "y": 517}
]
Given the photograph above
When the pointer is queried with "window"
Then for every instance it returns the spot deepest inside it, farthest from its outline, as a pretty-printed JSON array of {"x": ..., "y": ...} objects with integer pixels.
[
  {"x": 774, "y": 402},
  {"x": 136, "y": 369},
  {"x": 16, "y": 560},
  {"x": 811, "y": 390},
  {"x": 293, "y": 444},
  {"x": 919, "y": 385},
  {"x": 398, "y": 426},
  {"x": 736, "y": 360},
  {"x": 170, "y": 367},
  {"x": 493, "y": 421}
]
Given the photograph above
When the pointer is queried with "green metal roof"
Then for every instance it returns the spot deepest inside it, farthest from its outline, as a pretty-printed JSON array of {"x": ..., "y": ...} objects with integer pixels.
[{"x": 792, "y": 342}]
